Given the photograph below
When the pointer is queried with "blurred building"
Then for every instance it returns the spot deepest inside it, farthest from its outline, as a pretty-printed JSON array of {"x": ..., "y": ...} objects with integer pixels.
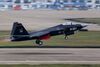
[
  {"x": 49, "y": 4},
  {"x": 93, "y": 4}
]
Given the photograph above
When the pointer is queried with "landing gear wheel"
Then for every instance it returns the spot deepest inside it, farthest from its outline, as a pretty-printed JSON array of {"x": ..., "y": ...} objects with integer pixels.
[
  {"x": 39, "y": 42},
  {"x": 66, "y": 37}
]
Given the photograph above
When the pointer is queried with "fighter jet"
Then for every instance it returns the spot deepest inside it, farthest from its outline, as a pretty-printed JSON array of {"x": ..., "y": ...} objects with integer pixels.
[{"x": 19, "y": 33}]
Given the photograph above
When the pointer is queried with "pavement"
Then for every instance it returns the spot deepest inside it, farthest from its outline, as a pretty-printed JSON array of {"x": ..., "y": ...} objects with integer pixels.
[
  {"x": 41, "y": 19},
  {"x": 49, "y": 56}
]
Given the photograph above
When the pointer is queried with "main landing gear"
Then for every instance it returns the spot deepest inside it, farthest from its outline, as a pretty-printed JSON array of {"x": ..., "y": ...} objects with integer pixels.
[{"x": 39, "y": 42}]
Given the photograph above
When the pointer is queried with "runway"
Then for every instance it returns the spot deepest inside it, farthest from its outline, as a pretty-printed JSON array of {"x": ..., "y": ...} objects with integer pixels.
[{"x": 49, "y": 56}]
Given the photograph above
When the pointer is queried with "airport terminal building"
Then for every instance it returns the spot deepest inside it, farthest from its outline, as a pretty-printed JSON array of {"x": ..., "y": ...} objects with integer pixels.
[{"x": 49, "y": 4}]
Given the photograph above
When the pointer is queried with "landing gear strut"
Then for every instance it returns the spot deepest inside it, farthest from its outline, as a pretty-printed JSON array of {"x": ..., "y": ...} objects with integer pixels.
[
  {"x": 39, "y": 42},
  {"x": 66, "y": 37}
]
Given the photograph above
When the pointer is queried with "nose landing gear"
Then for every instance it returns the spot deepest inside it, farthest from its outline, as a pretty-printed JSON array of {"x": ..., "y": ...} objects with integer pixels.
[{"x": 66, "y": 37}]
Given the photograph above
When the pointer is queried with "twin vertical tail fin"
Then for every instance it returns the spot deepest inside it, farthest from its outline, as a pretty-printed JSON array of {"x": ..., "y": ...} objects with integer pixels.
[{"x": 18, "y": 32}]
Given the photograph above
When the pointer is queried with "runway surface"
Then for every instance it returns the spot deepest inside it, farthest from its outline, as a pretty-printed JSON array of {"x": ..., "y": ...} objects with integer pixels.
[{"x": 49, "y": 55}]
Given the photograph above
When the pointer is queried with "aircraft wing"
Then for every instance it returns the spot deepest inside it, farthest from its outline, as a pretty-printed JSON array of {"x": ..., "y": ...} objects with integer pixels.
[
  {"x": 39, "y": 33},
  {"x": 46, "y": 32}
]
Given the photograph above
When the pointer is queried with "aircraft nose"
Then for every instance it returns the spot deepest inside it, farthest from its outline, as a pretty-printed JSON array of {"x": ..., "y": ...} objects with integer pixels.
[{"x": 79, "y": 27}]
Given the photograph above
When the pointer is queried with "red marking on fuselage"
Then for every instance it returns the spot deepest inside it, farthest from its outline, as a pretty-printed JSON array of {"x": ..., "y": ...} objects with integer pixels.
[{"x": 45, "y": 37}]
